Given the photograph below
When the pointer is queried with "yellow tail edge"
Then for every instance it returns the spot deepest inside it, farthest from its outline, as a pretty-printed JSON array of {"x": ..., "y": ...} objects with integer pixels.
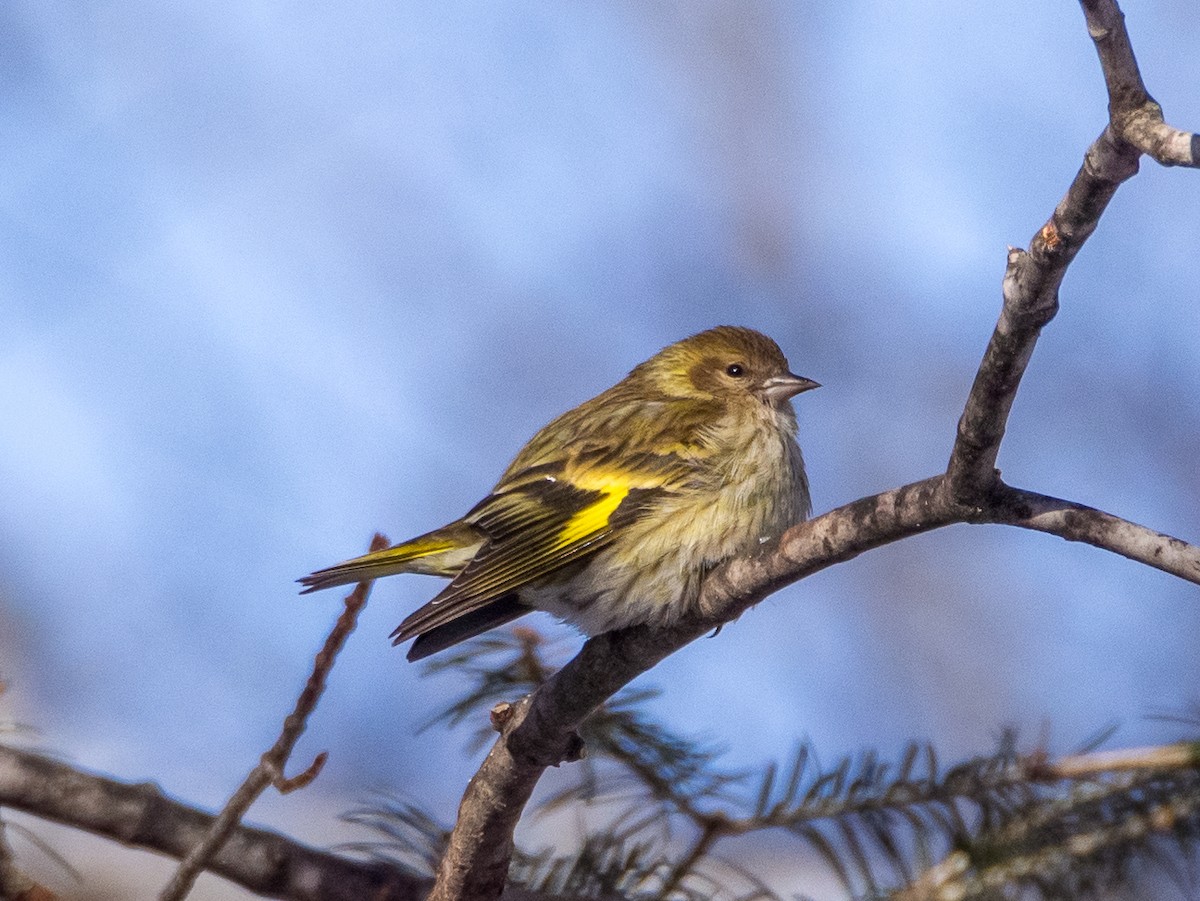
[{"x": 399, "y": 558}]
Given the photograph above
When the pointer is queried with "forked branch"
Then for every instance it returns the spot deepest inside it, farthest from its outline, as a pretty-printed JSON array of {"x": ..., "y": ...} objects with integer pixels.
[
  {"x": 1135, "y": 115},
  {"x": 538, "y": 731}
]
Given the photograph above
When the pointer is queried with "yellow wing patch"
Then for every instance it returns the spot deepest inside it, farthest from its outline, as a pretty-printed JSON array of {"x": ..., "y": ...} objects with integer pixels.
[{"x": 592, "y": 518}]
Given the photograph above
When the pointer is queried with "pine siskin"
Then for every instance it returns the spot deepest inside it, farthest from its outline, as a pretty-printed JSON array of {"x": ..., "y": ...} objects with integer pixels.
[{"x": 612, "y": 514}]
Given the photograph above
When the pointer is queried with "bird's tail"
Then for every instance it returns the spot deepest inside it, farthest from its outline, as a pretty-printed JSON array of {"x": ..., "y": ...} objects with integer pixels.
[{"x": 442, "y": 552}]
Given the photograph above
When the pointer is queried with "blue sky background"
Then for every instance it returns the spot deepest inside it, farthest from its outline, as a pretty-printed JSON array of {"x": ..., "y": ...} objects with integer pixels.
[{"x": 276, "y": 275}]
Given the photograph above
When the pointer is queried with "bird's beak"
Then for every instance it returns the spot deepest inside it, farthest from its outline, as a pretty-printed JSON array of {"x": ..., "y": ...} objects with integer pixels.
[{"x": 781, "y": 387}]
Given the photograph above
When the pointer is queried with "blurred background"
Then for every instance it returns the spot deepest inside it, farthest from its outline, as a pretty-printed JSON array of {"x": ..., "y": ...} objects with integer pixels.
[{"x": 276, "y": 275}]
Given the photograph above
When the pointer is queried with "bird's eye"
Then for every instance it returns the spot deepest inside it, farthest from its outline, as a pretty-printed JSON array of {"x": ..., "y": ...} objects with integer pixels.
[{"x": 736, "y": 370}]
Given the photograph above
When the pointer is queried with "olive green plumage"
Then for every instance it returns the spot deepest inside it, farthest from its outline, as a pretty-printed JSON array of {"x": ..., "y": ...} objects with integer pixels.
[{"x": 612, "y": 514}]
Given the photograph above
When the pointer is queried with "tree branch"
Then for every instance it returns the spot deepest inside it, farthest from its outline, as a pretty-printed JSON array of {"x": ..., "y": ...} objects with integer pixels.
[
  {"x": 538, "y": 731},
  {"x": 141, "y": 816},
  {"x": 1076, "y": 522},
  {"x": 1031, "y": 283}
]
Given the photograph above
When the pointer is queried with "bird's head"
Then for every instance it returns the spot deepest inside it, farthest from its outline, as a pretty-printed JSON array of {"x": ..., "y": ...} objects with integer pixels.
[{"x": 728, "y": 363}]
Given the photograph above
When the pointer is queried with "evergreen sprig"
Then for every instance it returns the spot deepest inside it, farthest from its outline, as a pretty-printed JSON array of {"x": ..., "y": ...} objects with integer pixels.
[{"x": 654, "y": 805}]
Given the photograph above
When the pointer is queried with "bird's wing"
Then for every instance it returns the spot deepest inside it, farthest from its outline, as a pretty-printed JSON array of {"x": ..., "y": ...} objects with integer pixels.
[{"x": 541, "y": 520}]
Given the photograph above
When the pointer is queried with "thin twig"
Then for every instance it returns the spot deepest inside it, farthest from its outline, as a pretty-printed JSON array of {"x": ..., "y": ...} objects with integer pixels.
[
  {"x": 1178, "y": 756},
  {"x": 711, "y": 831},
  {"x": 270, "y": 769},
  {"x": 717, "y": 824}
]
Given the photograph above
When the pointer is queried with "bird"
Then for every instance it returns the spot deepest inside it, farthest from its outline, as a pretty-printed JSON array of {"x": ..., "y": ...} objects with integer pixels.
[{"x": 612, "y": 515}]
